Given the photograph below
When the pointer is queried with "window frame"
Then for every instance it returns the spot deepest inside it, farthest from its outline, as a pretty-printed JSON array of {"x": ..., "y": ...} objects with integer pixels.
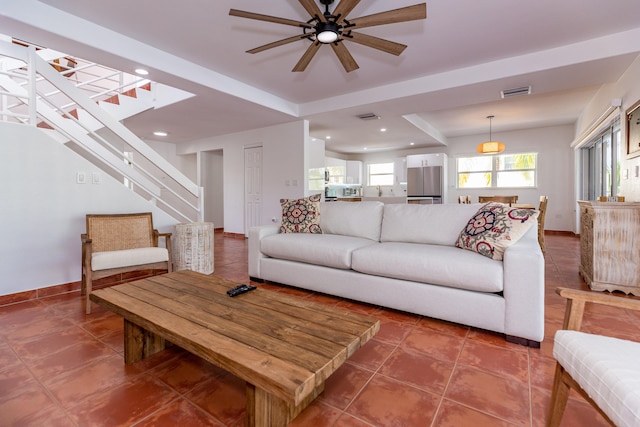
[
  {"x": 389, "y": 174},
  {"x": 495, "y": 171}
]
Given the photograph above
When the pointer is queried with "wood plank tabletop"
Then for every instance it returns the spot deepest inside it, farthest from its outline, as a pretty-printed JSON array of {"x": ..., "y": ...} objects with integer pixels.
[{"x": 285, "y": 345}]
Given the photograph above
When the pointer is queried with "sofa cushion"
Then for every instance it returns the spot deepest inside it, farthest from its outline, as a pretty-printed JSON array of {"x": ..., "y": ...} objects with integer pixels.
[
  {"x": 434, "y": 264},
  {"x": 301, "y": 215},
  {"x": 494, "y": 228},
  {"x": 357, "y": 219},
  {"x": 329, "y": 250},
  {"x": 434, "y": 224},
  {"x": 127, "y": 258}
]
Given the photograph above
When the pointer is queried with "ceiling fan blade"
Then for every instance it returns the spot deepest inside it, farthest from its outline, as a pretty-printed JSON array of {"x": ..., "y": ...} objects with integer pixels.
[
  {"x": 279, "y": 43},
  {"x": 409, "y": 13},
  {"x": 312, "y": 9},
  {"x": 376, "y": 43},
  {"x": 306, "y": 57},
  {"x": 267, "y": 18},
  {"x": 345, "y": 57},
  {"x": 344, "y": 7}
]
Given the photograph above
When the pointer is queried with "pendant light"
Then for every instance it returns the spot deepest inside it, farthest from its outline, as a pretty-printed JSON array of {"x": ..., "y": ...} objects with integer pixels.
[{"x": 491, "y": 146}]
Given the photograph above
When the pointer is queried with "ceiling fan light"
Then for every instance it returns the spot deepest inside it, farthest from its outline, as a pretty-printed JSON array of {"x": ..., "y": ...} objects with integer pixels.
[
  {"x": 327, "y": 32},
  {"x": 327, "y": 36}
]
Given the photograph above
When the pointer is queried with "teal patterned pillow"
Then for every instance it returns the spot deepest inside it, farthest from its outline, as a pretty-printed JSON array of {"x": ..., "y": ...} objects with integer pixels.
[
  {"x": 494, "y": 228},
  {"x": 301, "y": 215}
]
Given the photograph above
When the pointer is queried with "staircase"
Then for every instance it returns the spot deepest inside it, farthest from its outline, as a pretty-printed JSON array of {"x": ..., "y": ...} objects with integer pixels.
[{"x": 80, "y": 104}]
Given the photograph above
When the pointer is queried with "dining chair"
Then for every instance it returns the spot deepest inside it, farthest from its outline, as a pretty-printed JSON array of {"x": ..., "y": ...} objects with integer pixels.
[
  {"x": 507, "y": 200},
  {"x": 464, "y": 199}
]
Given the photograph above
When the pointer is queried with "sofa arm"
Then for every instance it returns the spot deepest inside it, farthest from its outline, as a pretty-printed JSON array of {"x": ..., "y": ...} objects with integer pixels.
[
  {"x": 256, "y": 234},
  {"x": 523, "y": 266}
]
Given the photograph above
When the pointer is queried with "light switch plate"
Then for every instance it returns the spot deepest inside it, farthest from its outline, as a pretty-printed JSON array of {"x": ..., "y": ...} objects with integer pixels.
[
  {"x": 96, "y": 178},
  {"x": 81, "y": 177}
]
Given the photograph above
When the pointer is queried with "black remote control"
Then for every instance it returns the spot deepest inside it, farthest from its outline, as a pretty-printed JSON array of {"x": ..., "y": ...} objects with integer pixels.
[{"x": 240, "y": 289}]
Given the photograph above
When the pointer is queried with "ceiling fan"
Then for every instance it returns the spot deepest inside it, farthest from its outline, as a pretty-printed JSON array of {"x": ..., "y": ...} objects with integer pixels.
[{"x": 334, "y": 28}]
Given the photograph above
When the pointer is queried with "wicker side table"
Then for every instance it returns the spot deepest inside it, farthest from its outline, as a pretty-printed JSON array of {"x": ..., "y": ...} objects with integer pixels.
[{"x": 193, "y": 247}]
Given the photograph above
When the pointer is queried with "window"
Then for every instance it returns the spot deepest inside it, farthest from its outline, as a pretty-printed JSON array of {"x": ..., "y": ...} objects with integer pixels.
[
  {"x": 336, "y": 174},
  {"x": 499, "y": 171},
  {"x": 601, "y": 164},
  {"x": 380, "y": 173}
]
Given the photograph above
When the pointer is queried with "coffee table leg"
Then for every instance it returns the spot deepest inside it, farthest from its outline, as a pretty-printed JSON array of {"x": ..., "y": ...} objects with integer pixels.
[
  {"x": 267, "y": 410},
  {"x": 139, "y": 343}
]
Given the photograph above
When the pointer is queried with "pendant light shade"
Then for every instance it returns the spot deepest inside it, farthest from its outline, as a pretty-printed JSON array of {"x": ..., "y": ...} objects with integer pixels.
[{"x": 491, "y": 146}]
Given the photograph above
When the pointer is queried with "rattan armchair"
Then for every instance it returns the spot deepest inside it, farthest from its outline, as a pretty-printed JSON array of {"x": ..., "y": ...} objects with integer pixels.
[{"x": 121, "y": 243}]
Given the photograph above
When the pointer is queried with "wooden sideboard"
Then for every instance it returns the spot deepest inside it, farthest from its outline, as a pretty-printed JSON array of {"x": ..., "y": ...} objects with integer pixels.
[{"x": 610, "y": 246}]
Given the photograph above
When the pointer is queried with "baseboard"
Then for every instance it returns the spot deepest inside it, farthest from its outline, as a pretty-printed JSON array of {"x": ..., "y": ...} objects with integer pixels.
[
  {"x": 233, "y": 235},
  {"x": 560, "y": 233},
  {"x": 72, "y": 287}
]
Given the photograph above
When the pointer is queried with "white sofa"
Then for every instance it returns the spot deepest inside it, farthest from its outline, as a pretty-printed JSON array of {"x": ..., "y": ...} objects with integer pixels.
[{"x": 403, "y": 256}]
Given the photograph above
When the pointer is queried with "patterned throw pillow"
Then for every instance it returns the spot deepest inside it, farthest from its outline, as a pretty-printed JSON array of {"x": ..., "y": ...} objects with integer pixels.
[
  {"x": 494, "y": 228},
  {"x": 301, "y": 215}
]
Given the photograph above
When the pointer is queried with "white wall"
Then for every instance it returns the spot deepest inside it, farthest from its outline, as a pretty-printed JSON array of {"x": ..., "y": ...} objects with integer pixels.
[
  {"x": 555, "y": 174},
  {"x": 184, "y": 163},
  {"x": 283, "y": 162},
  {"x": 43, "y": 209}
]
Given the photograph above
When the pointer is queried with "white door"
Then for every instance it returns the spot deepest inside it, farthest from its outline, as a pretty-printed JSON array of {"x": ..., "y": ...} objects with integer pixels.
[{"x": 252, "y": 187}]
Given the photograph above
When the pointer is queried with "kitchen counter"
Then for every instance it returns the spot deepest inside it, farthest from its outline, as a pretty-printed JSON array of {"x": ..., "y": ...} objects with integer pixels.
[{"x": 385, "y": 199}]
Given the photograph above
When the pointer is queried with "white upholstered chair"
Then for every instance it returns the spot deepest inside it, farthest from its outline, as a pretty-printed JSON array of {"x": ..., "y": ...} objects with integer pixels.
[{"x": 603, "y": 370}]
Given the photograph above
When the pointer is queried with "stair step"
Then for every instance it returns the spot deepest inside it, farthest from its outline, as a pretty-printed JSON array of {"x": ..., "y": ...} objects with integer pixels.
[
  {"x": 131, "y": 93},
  {"x": 112, "y": 100}
]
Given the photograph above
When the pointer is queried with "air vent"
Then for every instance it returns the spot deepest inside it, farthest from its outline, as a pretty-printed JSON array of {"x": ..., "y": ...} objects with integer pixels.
[
  {"x": 507, "y": 93},
  {"x": 368, "y": 116}
]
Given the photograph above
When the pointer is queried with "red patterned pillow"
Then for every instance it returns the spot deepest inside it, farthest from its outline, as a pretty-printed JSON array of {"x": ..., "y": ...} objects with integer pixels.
[
  {"x": 301, "y": 215},
  {"x": 494, "y": 228}
]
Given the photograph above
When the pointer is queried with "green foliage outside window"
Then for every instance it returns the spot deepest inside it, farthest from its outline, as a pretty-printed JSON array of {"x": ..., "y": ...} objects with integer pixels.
[{"x": 499, "y": 171}]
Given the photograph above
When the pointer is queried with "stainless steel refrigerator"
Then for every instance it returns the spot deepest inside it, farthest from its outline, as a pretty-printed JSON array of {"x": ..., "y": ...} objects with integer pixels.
[{"x": 424, "y": 184}]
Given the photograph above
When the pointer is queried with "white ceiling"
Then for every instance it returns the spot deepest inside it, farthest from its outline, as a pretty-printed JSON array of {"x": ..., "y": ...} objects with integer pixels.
[{"x": 447, "y": 80}]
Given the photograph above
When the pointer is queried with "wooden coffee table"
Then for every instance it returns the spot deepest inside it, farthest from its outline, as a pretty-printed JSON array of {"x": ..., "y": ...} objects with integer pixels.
[{"x": 283, "y": 347}]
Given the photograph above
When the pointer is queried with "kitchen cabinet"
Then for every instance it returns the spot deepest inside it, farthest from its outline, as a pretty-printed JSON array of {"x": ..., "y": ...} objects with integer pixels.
[
  {"x": 353, "y": 172},
  {"x": 609, "y": 241},
  {"x": 421, "y": 160}
]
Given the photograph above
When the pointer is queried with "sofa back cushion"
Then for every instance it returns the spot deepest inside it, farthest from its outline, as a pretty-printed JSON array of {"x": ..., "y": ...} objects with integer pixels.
[
  {"x": 357, "y": 219},
  {"x": 432, "y": 224}
]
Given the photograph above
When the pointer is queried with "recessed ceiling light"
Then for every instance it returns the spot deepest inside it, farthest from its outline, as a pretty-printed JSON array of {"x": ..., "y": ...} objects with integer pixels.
[
  {"x": 383, "y": 129},
  {"x": 365, "y": 148},
  {"x": 160, "y": 133},
  {"x": 412, "y": 143},
  {"x": 142, "y": 71},
  {"x": 328, "y": 136}
]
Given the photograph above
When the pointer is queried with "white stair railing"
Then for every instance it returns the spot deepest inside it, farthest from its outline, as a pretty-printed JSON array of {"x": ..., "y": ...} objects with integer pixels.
[{"x": 33, "y": 92}]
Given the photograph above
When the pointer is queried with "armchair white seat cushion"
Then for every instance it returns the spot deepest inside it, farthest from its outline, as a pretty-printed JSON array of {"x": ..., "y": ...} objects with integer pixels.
[
  {"x": 606, "y": 368},
  {"x": 128, "y": 257}
]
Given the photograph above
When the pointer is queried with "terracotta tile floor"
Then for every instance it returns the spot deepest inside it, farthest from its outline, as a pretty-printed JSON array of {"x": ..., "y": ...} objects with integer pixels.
[{"x": 59, "y": 367}]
